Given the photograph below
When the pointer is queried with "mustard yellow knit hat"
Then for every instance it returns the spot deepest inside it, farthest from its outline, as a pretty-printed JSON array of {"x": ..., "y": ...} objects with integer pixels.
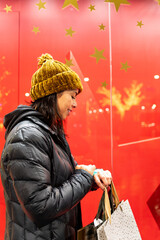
[{"x": 53, "y": 77}]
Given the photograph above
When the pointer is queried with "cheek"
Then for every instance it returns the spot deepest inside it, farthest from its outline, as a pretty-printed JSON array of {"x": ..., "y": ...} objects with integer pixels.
[
  {"x": 64, "y": 104},
  {"x": 67, "y": 102}
]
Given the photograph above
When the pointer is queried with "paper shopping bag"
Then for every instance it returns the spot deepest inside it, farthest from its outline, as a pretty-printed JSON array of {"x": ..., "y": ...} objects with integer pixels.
[
  {"x": 89, "y": 232},
  {"x": 120, "y": 226}
]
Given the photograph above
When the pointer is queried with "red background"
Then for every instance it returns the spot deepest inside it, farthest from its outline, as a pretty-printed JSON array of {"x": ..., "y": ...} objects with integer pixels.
[{"x": 125, "y": 141}]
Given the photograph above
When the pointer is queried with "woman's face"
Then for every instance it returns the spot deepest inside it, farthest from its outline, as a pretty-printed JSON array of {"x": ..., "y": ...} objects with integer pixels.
[{"x": 66, "y": 100}]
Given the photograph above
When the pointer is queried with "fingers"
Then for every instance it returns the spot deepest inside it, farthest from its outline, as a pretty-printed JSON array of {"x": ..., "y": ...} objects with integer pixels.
[
  {"x": 103, "y": 179},
  {"x": 108, "y": 174},
  {"x": 98, "y": 182}
]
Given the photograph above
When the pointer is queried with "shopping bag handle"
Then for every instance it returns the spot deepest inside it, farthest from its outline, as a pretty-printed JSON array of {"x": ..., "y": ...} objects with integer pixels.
[
  {"x": 107, "y": 201},
  {"x": 115, "y": 195},
  {"x": 105, "y": 205}
]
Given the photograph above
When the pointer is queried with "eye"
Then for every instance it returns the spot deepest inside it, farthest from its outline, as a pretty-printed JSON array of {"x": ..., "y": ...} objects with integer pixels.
[{"x": 73, "y": 97}]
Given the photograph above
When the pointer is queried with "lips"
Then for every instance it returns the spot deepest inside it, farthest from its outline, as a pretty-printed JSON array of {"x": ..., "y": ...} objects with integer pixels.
[{"x": 69, "y": 110}]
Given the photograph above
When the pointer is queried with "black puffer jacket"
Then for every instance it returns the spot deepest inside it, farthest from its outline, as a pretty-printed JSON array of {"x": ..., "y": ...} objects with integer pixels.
[{"x": 41, "y": 186}]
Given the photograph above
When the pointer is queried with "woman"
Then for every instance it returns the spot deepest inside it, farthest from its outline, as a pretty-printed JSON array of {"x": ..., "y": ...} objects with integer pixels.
[{"x": 43, "y": 185}]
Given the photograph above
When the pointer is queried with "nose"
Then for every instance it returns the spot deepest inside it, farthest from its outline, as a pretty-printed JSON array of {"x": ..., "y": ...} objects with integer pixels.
[{"x": 74, "y": 105}]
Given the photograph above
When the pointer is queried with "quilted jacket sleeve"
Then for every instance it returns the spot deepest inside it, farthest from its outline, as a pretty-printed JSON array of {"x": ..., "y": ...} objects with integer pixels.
[{"x": 29, "y": 168}]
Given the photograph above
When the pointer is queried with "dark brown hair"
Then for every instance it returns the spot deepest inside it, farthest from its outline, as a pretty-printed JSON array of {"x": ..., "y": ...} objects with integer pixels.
[{"x": 47, "y": 106}]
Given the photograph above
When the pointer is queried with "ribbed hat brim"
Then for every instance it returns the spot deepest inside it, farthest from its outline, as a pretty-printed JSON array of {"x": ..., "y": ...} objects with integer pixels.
[{"x": 67, "y": 80}]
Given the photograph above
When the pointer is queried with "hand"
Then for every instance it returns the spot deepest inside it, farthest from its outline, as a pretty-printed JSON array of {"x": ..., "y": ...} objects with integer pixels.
[
  {"x": 103, "y": 179},
  {"x": 89, "y": 168}
]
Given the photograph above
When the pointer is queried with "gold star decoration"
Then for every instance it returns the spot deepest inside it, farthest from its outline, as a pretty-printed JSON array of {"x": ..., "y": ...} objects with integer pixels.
[
  {"x": 91, "y": 7},
  {"x": 35, "y": 30},
  {"x": 8, "y": 8},
  {"x": 98, "y": 55},
  {"x": 41, "y": 4},
  {"x": 125, "y": 66},
  {"x": 73, "y": 3},
  {"x": 102, "y": 27},
  {"x": 69, "y": 31},
  {"x": 69, "y": 62},
  {"x": 139, "y": 24},
  {"x": 104, "y": 84},
  {"x": 117, "y": 3}
]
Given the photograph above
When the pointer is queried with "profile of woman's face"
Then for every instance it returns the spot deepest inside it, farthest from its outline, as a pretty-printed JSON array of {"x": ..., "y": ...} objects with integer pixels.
[{"x": 66, "y": 101}]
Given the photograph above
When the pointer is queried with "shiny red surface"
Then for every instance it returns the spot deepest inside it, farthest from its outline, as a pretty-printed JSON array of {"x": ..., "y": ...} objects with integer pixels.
[{"x": 124, "y": 139}]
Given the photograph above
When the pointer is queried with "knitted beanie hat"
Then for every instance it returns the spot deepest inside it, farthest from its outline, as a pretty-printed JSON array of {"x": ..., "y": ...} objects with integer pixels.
[{"x": 53, "y": 77}]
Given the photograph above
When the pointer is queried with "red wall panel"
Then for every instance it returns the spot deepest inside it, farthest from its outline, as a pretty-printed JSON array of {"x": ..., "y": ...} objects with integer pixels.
[{"x": 9, "y": 81}]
